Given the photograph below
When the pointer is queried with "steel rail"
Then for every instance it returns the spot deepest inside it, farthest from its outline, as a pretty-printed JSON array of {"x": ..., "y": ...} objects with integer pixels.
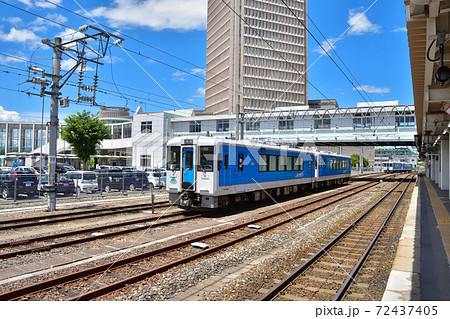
[
  {"x": 72, "y": 216},
  {"x": 344, "y": 288},
  {"x": 93, "y": 238},
  {"x": 95, "y": 210},
  {"x": 45, "y": 285},
  {"x": 120, "y": 284},
  {"x": 287, "y": 280},
  {"x": 81, "y": 231}
]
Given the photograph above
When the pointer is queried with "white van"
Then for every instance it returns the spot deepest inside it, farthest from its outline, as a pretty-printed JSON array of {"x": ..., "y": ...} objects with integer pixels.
[{"x": 85, "y": 181}]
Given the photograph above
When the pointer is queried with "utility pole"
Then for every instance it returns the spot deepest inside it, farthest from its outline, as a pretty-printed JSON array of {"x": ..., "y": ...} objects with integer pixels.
[
  {"x": 103, "y": 39},
  {"x": 54, "y": 124},
  {"x": 237, "y": 122},
  {"x": 239, "y": 129}
]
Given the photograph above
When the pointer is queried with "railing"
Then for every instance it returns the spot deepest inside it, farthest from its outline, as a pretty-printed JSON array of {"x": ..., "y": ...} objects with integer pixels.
[{"x": 24, "y": 187}]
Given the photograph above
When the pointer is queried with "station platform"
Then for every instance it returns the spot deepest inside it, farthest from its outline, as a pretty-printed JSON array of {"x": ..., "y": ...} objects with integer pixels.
[{"x": 421, "y": 269}]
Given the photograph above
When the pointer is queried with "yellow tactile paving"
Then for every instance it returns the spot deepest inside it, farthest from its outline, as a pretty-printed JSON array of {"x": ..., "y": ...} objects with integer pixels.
[{"x": 442, "y": 215}]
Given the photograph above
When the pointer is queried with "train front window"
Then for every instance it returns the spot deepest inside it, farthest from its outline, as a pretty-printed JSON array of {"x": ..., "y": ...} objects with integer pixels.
[
  {"x": 206, "y": 158},
  {"x": 173, "y": 154}
]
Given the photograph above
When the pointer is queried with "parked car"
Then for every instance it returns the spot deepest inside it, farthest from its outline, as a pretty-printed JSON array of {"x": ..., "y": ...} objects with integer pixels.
[
  {"x": 20, "y": 181},
  {"x": 109, "y": 179},
  {"x": 64, "y": 167},
  {"x": 102, "y": 167},
  {"x": 135, "y": 179},
  {"x": 27, "y": 169},
  {"x": 60, "y": 168},
  {"x": 63, "y": 184},
  {"x": 85, "y": 181},
  {"x": 156, "y": 177},
  {"x": 44, "y": 169}
]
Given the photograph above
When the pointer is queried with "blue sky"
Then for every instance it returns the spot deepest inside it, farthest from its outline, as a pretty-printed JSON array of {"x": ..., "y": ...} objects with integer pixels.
[{"x": 372, "y": 44}]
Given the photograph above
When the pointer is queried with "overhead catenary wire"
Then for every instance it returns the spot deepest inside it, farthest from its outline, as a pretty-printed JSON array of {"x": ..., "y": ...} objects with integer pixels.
[
  {"x": 139, "y": 53},
  {"x": 134, "y": 98},
  {"x": 145, "y": 56},
  {"x": 340, "y": 59},
  {"x": 104, "y": 81},
  {"x": 332, "y": 48},
  {"x": 277, "y": 52},
  {"x": 123, "y": 48},
  {"x": 76, "y": 31},
  {"x": 114, "y": 31},
  {"x": 321, "y": 46}
]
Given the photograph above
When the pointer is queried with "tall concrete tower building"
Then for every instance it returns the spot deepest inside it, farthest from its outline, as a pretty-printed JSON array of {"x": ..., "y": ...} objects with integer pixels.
[{"x": 256, "y": 55}]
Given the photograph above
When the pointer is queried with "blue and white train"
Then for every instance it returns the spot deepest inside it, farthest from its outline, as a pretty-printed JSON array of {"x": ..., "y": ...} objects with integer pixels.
[
  {"x": 390, "y": 167},
  {"x": 209, "y": 172}
]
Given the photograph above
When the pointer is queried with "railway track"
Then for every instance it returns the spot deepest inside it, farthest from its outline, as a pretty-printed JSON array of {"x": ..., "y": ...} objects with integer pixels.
[
  {"x": 149, "y": 222},
  {"x": 330, "y": 272},
  {"x": 97, "y": 281},
  {"x": 10, "y": 224}
]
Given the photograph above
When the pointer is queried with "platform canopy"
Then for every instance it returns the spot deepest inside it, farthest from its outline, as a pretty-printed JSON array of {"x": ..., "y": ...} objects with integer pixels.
[{"x": 428, "y": 34}]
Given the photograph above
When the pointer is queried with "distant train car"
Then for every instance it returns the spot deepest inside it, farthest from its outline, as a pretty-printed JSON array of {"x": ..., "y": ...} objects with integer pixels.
[
  {"x": 407, "y": 167},
  {"x": 208, "y": 172},
  {"x": 396, "y": 167}
]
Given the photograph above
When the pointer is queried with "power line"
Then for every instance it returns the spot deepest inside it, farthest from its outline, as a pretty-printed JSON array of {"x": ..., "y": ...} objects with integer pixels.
[
  {"x": 332, "y": 48},
  {"x": 278, "y": 53},
  {"x": 166, "y": 64},
  {"x": 129, "y": 50},
  {"x": 125, "y": 35},
  {"x": 108, "y": 82},
  {"x": 110, "y": 92},
  {"x": 126, "y": 49},
  {"x": 326, "y": 51},
  {"x": 152, "y": 47}
]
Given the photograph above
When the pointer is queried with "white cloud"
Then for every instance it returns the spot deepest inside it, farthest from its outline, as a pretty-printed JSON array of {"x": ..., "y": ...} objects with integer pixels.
[
  {"x": 199, "y": 71},
  {"x": 69, "y": 35},
  {"x": 69, "y": 64},
  {"x": 201, "y": 91},
  {"x": 360, "y": 24},
  {"x": 156, "y": 14},
  {"x": 181, "y": 76},
  {"x": 326, "y": 45},
  {"x": 56, "y": 17},
  {"x": 372, "y": 89},
  {"x": 8, "y": 115},
  {"x": 40, "y": 3},
  {"x": 16, "y": 57},
  {"x": 400, "y": 29},
  {"x": 16, "y": 35},
  {"x": 12, "y": 20},
  {"x": 47, "y": 5}
]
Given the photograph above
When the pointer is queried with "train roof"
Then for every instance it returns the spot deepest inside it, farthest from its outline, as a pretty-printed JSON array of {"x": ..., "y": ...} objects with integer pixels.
[{"x": 247, "y": 143}]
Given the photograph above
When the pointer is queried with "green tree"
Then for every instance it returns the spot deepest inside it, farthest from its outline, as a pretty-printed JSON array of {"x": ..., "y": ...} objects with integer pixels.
[
  {"x": 84, "y": 132},
  {"x": 355, "y": 160}
]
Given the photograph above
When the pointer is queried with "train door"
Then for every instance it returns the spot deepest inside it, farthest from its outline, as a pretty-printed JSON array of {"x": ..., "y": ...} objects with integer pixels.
[
  {"x": 188, "y": 180},
  {"x": 225, "y": 171}
]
